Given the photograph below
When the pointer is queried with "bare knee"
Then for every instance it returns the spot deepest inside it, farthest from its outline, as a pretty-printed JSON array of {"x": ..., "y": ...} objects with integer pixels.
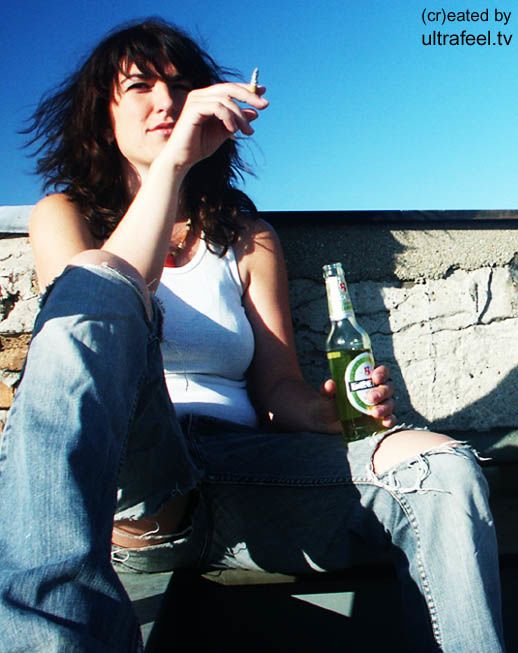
[
  {"x": 404, "y": 445},
  {"x": 103, "y": 258}
]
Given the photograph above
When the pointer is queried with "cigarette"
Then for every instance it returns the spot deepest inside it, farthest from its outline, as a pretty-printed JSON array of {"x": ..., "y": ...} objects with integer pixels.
[{"x": 254, "y": 80}]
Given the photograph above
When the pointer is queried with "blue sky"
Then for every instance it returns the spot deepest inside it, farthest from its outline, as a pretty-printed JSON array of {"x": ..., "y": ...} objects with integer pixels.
[{"x": 362, "y": 115}]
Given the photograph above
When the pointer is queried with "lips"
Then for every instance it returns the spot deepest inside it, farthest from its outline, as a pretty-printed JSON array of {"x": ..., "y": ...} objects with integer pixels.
[{"x": 163, "y": 126}]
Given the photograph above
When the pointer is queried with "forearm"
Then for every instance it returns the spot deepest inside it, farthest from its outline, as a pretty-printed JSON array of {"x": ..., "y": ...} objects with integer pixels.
[
  {"x": 293, "y": 405},
  {"x": 143, "y": 235},
  {"x": 208, "y": 118}
]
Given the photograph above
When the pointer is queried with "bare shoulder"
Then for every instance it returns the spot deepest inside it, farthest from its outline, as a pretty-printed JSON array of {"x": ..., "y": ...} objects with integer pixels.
[
  {"x": 255, "y": 229},
  {"x": 259, "y": 252},
  {"x": 56, "y": 210},
  {"x": 258, "y": 239},
  {"x": 57, "y": 232}
]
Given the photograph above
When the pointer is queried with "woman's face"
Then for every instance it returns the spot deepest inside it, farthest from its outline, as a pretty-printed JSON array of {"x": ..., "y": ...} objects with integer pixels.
[{"x": 143, "y": 111}]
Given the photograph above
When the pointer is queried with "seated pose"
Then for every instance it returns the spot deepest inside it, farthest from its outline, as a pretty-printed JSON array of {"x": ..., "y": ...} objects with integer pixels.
[{"x": 154, "y": 262}]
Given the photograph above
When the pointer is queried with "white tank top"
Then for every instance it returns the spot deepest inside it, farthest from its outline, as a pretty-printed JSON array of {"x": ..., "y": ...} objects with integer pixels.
[{"x": 208, "y": 342}]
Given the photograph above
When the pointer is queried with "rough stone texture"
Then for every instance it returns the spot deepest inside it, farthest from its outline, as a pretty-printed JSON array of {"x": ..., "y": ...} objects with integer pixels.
[
  {"x": 451, "y": 344},
  {"x": 18, "y": 306},
  {"x": 18, "y": 288},
  {"x": 13, "y": 350},
  {"x": 6, "y": 395},
  {"x": 441, "y": 307}
]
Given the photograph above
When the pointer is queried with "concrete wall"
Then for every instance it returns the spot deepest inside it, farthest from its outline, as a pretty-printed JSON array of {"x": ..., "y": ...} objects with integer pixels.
[
  {"x": 440, "y": 304},
  {"x": 18, "y": 306}
]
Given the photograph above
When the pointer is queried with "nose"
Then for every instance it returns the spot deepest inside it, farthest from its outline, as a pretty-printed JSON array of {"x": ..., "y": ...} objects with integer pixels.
[{"x": 163, "y": 97}]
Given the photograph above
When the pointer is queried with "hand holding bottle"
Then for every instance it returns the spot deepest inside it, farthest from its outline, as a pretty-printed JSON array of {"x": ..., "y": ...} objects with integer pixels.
[
  {"x": 359, "y": 386},
  {"x": 381, "y": 395}
]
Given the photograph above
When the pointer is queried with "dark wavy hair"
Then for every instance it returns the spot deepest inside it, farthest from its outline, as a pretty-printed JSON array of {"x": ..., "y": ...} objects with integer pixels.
[{"x": 69, "y": 133}]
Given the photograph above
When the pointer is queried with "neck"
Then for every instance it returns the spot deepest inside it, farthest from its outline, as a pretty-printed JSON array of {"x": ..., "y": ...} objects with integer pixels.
[{"x": 133, "y": 177}]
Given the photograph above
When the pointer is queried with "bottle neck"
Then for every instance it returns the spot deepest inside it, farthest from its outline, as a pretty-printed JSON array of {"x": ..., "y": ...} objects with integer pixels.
[{"x": 338, "y": 300}]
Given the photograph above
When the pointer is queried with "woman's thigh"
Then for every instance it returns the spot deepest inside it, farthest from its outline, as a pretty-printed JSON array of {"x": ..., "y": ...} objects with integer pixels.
[
  {"x": 300, "y": 502},
  {"x": 288, "y": 502}
]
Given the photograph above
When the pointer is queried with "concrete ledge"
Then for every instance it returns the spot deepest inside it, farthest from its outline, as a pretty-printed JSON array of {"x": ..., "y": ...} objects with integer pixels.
[{"x": 14, "y": 219}]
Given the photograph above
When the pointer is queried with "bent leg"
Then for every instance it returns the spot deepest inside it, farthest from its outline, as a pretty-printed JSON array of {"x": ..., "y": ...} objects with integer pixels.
[
  {"x": 60, "y": 454},
  {"x": 300, "y": 502},
  {"x": 436, "y": 509}
]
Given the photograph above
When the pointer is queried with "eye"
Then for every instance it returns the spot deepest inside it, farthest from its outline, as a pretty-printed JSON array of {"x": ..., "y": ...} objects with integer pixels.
[{"x": 138, "y": 86}]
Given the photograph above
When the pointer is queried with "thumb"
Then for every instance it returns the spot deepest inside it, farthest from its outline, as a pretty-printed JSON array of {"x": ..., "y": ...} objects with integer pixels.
[{"x": 328, "y": 388}]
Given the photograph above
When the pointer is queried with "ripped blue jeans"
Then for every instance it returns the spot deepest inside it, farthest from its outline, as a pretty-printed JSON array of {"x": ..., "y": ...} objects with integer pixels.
[
  {"x": 92, "y": 401},
  {"x": 92, "y": 433},
  {"x": 305, "y": 502}
]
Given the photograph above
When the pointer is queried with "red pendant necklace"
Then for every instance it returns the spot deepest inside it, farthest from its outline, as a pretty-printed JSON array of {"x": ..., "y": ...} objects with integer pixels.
[{"x": 174, "y": 250}]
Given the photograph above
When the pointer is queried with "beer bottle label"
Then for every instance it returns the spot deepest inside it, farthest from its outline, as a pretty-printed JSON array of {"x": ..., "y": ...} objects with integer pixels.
[
  {"x": 338, "y": 299},
  {"x": 358, "y": 381}
]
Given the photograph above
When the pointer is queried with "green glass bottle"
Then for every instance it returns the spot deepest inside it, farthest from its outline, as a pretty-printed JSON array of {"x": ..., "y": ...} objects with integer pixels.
[{"x": 349, "y": 353}]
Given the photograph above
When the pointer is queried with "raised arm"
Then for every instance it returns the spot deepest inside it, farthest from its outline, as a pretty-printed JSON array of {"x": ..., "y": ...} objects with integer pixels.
[{"x": 209, "y": 116}]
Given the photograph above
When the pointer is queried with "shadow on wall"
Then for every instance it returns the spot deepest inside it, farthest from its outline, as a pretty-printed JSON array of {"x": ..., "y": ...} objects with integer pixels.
[{"x": 371, "y": 254}]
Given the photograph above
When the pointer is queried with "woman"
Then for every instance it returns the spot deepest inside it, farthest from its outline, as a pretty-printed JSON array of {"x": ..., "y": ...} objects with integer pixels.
[{"x": 143, "y": 143}]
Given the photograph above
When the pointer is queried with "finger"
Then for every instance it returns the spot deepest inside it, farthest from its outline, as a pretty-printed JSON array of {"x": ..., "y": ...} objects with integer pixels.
[
  {"x": 233, "y": 117},
  {"x": 230, "y": 118},
  {"x": 242, "y": 117},
  {"x": 245, "y": 93},
  {"x": 328, "y": 388},
  {"x": 389, "y": 422},
  {"x": 229, "y": 94},
  {"x": 251, "y": 114},
  {"x": 236, "y": 91},
  {"x": 226, "y": 117},
  {"x": 384, "y": 409},
  {"x": 380, "y": 374},
  {"x": 259, "y": 90},
  {"x": 381, "y": 393}
]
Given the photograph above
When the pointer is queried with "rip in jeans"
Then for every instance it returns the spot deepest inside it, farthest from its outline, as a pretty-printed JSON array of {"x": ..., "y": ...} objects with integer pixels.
[{"x": 422, "y": 466}]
